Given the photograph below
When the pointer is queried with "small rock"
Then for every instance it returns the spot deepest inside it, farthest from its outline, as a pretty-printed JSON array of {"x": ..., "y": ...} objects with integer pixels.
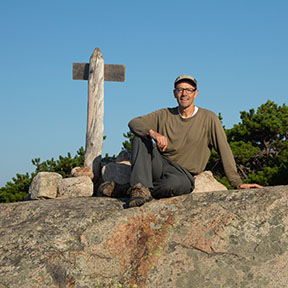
[
  {"x": 117, "y": 172},
  {"x": 205, "y": 182},
  {"x": 123, "y": 156},
  {"x": 82, "y": 171},
  {"x": 44, "y": 185},
  {"x": 74, "y": 187}
]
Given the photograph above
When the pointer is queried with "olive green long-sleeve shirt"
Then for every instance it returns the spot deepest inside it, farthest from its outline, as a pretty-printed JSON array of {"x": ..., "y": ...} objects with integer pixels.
[{"x": 189, "y": 140}]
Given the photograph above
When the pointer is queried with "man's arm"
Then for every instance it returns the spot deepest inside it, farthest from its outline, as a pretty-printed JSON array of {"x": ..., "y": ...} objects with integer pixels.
[
  {"x": 223, "y": 148},
  {"x": 142, "y": 124},
  {"x": 146, "y": 126}
]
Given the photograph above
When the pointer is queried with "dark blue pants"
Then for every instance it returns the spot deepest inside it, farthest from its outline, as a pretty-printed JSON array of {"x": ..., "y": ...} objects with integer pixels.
[{"x": 162, "y": 176}]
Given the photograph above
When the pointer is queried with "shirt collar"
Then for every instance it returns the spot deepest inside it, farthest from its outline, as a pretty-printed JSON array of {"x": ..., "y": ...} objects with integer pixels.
[{"x": 194, "y": 113}]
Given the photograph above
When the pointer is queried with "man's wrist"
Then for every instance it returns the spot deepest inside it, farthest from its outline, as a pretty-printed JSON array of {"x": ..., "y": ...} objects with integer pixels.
[{"x": 150, "y": 133}]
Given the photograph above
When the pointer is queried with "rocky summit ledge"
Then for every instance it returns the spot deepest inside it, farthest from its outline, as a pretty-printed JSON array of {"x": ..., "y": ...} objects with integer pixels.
[{"x": 217, "y": 239}]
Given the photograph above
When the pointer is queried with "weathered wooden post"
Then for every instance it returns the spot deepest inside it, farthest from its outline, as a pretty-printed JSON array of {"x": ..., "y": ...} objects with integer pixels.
[
  {"x": 95, "y": 112},
  {"x": 96, "y": 72}
]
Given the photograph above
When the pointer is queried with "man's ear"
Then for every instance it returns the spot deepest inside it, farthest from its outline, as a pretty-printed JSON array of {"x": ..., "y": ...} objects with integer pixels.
[
  {"x": 174, "y": 92},
  {"x": 196, "y": 94}
]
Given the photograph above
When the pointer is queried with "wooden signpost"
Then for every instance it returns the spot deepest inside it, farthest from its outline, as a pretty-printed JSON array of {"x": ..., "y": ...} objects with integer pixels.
[{"x": 96, "y": 72}]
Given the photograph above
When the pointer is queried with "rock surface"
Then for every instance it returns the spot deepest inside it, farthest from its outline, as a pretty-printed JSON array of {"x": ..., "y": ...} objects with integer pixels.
[{"x": 219, "y": 239}]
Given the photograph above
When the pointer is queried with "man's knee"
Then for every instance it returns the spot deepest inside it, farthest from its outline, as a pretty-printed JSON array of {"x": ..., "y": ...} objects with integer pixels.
[{"x": 139, "y": 142}]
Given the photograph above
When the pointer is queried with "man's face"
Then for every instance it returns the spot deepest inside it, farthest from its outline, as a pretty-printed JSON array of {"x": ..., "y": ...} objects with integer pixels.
[{"x": 185, "y": 98}]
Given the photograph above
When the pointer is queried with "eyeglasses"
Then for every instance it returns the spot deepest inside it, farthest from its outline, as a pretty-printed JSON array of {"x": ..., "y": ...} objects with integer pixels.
[{"x": 181, "y": 90}]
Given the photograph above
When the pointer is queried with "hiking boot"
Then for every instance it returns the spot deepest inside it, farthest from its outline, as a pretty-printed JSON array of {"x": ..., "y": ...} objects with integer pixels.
[
  {"x": 139, "y": 195},
  {"x": 112, "y": 189},
  {"x": 106, "y": 189}
]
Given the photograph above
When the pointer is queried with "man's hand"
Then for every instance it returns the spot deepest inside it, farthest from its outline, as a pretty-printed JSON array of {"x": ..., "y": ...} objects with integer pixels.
[
  {"x": 160, "y": 140},
  {"x": 248, "y": 186}
]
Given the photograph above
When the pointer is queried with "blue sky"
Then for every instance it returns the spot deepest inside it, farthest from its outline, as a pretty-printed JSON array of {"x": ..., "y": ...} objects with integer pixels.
[{"x": 237, "y": 50}]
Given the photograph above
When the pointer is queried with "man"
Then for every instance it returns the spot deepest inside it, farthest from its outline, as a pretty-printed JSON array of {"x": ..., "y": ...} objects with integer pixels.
[{"x": 184, "y": 136}]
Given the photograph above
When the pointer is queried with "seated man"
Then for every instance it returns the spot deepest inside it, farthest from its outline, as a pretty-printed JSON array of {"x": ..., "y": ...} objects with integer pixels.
[{"x": 184, "y": 136}]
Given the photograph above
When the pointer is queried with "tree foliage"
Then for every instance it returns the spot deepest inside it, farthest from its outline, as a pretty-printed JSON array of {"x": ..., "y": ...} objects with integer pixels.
[
  {"x": 62, "y": 166},
  {"x": 127, "y": 144},
  {"x": 259, "y": 145},
  {"x": 17, "y": 189}
]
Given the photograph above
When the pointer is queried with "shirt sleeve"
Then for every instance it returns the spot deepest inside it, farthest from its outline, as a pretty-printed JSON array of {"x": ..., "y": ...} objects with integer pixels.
[
  {"x": 141, "y": 125},
  {"x": 220, "y": 143}
]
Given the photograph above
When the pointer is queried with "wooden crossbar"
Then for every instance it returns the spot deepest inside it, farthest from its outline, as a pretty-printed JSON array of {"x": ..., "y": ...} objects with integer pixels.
[{"x": 112, "y": 72}]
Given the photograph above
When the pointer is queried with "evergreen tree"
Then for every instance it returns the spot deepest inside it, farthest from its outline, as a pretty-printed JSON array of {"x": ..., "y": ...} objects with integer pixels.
[
  {"x": 127, "y": 144},
  {"x": 259, "y": 145},
  {"x": 62, "y": 166},
  {"x": 18, "y": 189}
]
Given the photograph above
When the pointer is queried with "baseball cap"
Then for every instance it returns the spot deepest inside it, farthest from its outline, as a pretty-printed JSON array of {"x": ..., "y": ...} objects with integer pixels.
[{"x": 185, "y": 77}]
